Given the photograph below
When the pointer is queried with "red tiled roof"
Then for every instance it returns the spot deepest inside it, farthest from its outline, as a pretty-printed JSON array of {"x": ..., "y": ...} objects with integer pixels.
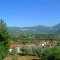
[{"x": 14, "y": 45}]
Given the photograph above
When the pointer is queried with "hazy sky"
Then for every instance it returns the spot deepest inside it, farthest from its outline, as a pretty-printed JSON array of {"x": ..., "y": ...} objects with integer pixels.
[{"x": 30, "y": 12}]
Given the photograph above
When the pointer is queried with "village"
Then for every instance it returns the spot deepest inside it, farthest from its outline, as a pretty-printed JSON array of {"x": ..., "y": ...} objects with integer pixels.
[{"x": 40, "y": 44}]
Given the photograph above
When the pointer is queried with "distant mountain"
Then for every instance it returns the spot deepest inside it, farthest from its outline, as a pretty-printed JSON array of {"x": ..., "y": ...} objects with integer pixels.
[
  {"x": 35, "y": 30},
  {"x": 56, "y": 28}
]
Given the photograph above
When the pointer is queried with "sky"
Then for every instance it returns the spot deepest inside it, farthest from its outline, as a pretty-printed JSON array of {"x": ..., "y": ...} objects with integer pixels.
[{"x": 25, "y": 13}]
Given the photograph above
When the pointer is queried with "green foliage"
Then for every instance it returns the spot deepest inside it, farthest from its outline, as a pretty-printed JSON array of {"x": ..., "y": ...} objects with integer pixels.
[
  {"x": 36, "y": 50},
  {"x": 23, "y": 39},
  {"x": 46, "y": 53},
  {"x": 4, "y": 37},
  {"x": 26, "y": 50},
  {"x": 51, "y": 53}
]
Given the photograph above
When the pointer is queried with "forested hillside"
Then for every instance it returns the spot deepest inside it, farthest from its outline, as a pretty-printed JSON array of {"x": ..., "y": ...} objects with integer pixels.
[{"x": 35, "y": 30}]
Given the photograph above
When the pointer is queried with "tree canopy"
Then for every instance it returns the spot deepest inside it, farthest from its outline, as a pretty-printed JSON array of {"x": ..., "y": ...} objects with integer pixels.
[{"x": 4, "y": 38}]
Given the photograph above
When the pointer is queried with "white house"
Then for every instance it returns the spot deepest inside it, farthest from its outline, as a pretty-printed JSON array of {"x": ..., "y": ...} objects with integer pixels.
[{"x": 15, "y": 46}]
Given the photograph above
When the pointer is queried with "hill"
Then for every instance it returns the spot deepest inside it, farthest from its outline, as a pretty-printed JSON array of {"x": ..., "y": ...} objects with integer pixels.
[{"x": 35, "y": 30}]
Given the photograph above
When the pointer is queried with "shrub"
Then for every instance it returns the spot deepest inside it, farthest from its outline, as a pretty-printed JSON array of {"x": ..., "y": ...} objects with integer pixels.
[
  {"x": 37, "y": 50},
  {"x": 51, "y": 53},
  {"x": 26, "y": 50}
]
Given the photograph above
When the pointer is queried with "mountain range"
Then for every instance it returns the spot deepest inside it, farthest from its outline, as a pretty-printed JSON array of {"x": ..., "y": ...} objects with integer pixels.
[{"x": 40, "y": 29}]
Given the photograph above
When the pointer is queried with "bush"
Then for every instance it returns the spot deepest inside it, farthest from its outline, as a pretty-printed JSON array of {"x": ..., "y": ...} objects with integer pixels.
[
  {"x": 26, "y": 50},
  {"x": 51, "y": 53},
  {"x": 47, "y": 53},
  {"x": 34, "y": 50},
  {"x": 37, "y": 50}
]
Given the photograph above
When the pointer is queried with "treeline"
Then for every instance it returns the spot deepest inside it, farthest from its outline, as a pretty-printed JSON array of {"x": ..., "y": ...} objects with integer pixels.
[
  {"x": 35, "y": 38},
  {"x": 4, "y": 37}
]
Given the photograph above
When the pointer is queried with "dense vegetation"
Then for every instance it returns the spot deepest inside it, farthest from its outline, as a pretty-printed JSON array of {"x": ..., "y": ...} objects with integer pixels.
[
  {"x": 4, "y": 37},
  {"x": 34, "y": 38},
  {"x": 46, "y": 53}
]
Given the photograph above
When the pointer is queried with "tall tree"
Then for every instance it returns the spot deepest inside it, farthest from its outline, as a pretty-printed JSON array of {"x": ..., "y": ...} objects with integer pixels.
[{"x": 4, "y": 38}]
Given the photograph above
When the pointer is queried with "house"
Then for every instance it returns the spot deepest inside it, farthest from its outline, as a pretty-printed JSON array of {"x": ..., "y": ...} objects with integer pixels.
[
  {"x": 14, "y": 46},
  {"x": 17, "y": 47},
  {"x": 47, "y": 43}
]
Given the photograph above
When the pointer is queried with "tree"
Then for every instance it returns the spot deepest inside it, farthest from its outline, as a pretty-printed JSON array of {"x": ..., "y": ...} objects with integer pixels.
[
  {"x": 4, "y": 37},
  {"x": 51, "y": 53},
  {"x": 26, "y": 50}
]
